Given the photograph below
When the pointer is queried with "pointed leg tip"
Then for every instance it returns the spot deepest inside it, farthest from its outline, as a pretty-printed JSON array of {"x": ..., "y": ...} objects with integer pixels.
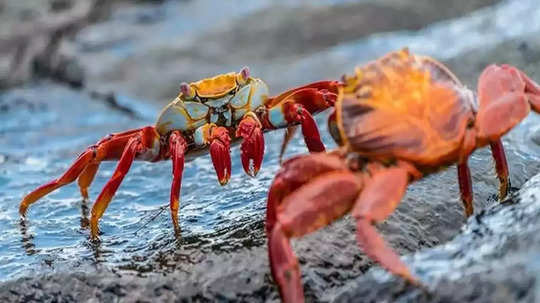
[
  {"x": 94, "y": 230},
  {"x": 223, "y": 181},
  {"x": 251, "y": 171},
  {"x": 94, "y": 235},
  {"x": 84, "y": 193}
]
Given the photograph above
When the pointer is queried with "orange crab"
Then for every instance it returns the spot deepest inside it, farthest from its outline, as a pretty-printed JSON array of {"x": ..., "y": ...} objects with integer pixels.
[
  {"x": 207, "y": 114},
  {"x": 397, "y": 119}
]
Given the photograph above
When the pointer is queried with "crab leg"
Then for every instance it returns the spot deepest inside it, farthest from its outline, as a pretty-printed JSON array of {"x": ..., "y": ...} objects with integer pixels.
[
  {"x": 250, "y": 129},
  {"x": 108, "y": 148},
  {"x": 177, "y": 145},
  {"x": 69, "y": 176},
  {"x": 301, "y": 201},
  {"x": 299, "y": 114},
  {"x": 465, "y": 187},
  {"x": 506, "y": 95},
  {"x": 381, "y": 195},
  {"x": 86, "y": 178},
  {"x": 289, "y": 134},
  {"x": 132, "y": 147},
  {"x": 501, "y": 166}
]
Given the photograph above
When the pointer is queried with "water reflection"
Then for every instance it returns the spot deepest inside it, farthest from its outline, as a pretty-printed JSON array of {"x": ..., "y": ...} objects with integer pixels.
[
  {"x": 85, "y": 222},
  {"x": 26, "y": 238}
]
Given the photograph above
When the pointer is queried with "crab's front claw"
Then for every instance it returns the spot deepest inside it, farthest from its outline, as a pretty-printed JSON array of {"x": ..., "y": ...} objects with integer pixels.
[
  {"x": 252, "y": 145},
  {"x": 220, "y": 147},
  {"x": 297, "y": 113}
]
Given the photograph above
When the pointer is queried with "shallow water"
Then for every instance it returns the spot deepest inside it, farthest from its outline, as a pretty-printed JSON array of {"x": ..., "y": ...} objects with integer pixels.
[{"x": 44, "y": 126}]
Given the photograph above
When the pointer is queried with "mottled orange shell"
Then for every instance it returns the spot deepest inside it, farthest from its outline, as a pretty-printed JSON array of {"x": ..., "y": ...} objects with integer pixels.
[
  {"x": 215, "y": 87},
  {"x": 404, "y": 107}
]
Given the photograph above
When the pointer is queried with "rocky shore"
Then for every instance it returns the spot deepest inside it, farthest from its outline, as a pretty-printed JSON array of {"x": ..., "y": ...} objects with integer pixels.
[{"x": 74, "y": 71}]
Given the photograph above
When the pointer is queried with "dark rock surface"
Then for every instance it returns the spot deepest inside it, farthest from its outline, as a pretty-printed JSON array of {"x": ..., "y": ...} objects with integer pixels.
[
  {"x": 142, "y": 52},
  {"x": 495, "y": 258}
]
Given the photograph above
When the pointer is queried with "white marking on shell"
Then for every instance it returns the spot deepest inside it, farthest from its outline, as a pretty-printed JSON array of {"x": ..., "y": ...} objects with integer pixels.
[
  {"x": 259, "y": 94},
  {"x": 196, "y": 110},
  {"x": 241, "y": 98},
  {"x": 175, "y": 117},
  {"x": 198, "y": 137}
]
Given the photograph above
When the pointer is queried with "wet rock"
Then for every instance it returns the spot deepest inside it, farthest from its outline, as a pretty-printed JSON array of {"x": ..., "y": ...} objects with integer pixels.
[
  {"x": 222, "y": 253},
  {"x": 494, "y": 259}
]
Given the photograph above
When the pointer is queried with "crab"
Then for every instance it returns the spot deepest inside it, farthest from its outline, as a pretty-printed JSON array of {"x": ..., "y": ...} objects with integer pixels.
[
  {"x": 397, "y": 119},
  {"x": 206, "y": 115}
]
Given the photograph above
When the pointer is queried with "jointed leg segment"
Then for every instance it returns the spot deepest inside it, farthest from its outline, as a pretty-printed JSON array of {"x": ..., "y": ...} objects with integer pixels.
[
  {"x": 177, "y": 146},
  {"x": 130, "y": 151},
  {"x": 380, "y": 197},
  {"x": 465, "y": 187},
  {"x": 86, "y": 178},
  {"x": 124, "y": 146},
  {"x": 501, "y": 166},
  {"x": 69, "y": 176}
]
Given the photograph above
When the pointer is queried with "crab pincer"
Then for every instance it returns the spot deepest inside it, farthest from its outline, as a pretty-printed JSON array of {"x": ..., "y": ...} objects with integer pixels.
[
  {"x": 252, "y": 147},
  {"x": 220, "y": 152}
]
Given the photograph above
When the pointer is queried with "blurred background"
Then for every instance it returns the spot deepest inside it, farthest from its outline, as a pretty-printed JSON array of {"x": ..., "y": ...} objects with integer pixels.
[{"x": 73, "y": 71}]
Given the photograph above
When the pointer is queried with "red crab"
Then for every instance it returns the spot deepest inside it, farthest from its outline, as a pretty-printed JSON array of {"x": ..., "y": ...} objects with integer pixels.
[
  {"x": 207, "y": 114},
  {"x": 396, "y": 120}
]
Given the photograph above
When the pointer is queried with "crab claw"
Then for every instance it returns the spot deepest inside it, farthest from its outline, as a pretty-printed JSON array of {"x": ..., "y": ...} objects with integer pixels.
[
  {"x": 220, "y": 146},
  {"x": 298, "y": 113},
  {"x": 252, "y": 145}
]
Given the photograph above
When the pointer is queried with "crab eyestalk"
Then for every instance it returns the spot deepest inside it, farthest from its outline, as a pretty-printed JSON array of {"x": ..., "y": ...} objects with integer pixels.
[
  {"x": 187, "y": 91},
  {"x": 243, "y": 76}
]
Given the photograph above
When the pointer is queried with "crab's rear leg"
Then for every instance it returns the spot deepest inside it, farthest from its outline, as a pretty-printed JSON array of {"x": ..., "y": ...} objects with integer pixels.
[
  {"x": 381, "y": 195},
  {"x": 138, "y": 143},
  {"x": 505, "y": 96},
  {"x": 69, "y": 176},
  {"x": 86, "y": 178},
  {"x": 86, "y": 165}
]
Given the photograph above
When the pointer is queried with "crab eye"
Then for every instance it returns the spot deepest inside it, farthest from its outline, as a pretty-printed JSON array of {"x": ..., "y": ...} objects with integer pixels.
[
  {"x": 187, "y": 91},
  {"x": 243, "y": 76}
]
